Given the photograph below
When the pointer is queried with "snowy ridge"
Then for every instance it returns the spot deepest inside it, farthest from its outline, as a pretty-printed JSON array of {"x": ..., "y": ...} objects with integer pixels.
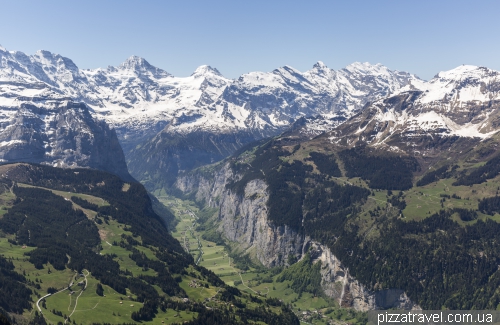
[
  {"x": 458, "y": 86},
  {"x": 138, "y": 97},
  {"x": 285, "y": 94},
  {"x": 463, "y": 102}
]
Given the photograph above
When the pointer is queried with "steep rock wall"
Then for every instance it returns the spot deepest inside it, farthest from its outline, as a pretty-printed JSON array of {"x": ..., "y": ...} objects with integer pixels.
[
  {"x": 337, "y": 283},
  {"x": 243, "y": 219},
  {"x": 62, "y": 133}
]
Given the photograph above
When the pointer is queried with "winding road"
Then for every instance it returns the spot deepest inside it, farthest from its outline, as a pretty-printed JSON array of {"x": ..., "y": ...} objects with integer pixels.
[
  {"x": 50, "y": 294},
  {"x": 38, "y": 302},
  {"x": 66, "y": 288}
]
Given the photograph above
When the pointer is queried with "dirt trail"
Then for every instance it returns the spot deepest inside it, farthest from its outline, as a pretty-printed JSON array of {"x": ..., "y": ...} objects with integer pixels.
[{"x": 76, "y": 302}]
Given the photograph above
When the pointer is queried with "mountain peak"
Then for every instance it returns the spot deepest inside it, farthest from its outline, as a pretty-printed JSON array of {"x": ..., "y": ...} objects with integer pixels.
[
  {"x": 319, "y": 65},
  {"x": 2, "y": 49},
  {"x": 204, "y": 70},
  {"x": 53, "y": 59},
  {"x": 286, "y": 69},
  {"x": 135, "y": 62},
  {"x": 46, "y": 54},
  {"x": 363, "y": 66},
  {"x": 140, "y": 65},
  {"x": 460, "y": 71}
]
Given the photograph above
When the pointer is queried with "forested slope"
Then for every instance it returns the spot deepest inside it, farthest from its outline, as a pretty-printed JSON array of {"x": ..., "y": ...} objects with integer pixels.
[
  {"x": 433, "y": 234},
  {"x": 89, "y": 234}
]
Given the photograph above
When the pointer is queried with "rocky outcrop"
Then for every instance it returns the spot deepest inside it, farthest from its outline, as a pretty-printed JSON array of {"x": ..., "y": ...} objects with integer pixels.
[
  {"x": 207, "y": 185},
  {"x": 60, "y": 133},
  {"x": 243, "y": 219},
  {"x": 337, "y": 283}
]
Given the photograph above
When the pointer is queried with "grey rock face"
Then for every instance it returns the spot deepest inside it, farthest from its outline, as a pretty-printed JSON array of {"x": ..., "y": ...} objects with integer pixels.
[
  {"x": 60, "y": 133},
  {"x": 337, "y": 283},
  {"x": 244, "y": 220}
]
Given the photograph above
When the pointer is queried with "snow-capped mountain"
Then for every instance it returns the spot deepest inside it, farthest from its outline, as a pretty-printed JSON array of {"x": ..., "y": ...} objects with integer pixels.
[
  {"x": 279, "y": 97},
  {"x": 173, "y": 123},
  {"x": 136, "y": 96},
  {"x": 462, "y": 103},
  {"x": 144, "y": 102}
]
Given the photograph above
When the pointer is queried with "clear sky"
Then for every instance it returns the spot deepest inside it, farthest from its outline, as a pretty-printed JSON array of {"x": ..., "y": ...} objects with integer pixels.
[{"x": 236, "y": 36}]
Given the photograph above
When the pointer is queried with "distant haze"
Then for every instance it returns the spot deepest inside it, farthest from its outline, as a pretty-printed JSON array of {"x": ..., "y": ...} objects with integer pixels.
[{"x": 236, "y": 37}]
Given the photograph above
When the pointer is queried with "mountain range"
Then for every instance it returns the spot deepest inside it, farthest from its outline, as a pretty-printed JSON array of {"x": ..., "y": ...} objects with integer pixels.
[
  {"x": 398, "y": 202},
  {"x": 461, "y": 102},
  {"x": 137, "y": 95},
  {"x": 168, "y": 125},
  {"x": 150, "y": 109}
]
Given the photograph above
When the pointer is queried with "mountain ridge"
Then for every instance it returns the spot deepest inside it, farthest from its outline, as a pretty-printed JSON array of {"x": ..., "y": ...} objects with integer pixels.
[
  {"x": 159, "y": 117},
  {"x": 458, "y": 104},
  {"x": 112, "y": 92}
]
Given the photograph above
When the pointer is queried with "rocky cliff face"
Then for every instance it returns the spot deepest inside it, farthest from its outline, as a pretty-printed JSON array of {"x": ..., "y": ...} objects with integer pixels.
[
  {"x": 244, "y": 220},
  {"x": 59, "y": 132},
  {"x": 337, "y": 283}
]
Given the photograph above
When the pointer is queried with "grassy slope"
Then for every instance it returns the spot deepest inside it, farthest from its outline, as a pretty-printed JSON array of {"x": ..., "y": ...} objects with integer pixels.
[
  {"x": 421, "y": 201},
  {"x": 90, "y": 307}
]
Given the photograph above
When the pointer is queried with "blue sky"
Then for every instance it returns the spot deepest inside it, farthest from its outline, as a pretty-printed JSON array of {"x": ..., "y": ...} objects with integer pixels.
[{"x": 236, "y": 37}]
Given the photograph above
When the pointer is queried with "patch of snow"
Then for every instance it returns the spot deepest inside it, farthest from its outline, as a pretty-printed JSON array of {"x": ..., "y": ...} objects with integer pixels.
[{"x": 11, "y": 143}]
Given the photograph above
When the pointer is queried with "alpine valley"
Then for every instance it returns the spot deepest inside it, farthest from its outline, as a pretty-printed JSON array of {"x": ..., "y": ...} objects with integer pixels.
[{"x": 271, "y": 198}]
